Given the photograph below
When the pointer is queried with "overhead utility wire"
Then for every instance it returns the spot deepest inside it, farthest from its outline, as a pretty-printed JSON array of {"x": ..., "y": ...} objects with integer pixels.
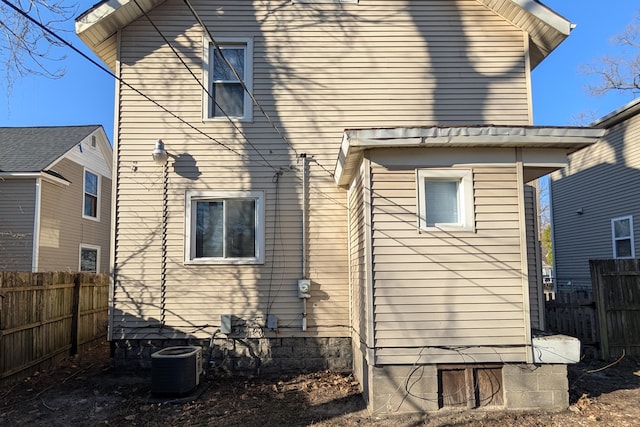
[
  {"x": 175, "y": 52},
  {"x": 106, "y": 70},
  {"x": 237, "y": 76}
]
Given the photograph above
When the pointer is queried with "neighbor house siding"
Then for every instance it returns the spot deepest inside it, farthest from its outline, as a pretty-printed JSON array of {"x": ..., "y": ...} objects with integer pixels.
[
  {"x": 17, "y": 214},
  {"x": 62, "y": 227},
  {"x": 448, "y": 297},
  {"x": 318, "y": 69},
  {"x": 599, "y": 180}
]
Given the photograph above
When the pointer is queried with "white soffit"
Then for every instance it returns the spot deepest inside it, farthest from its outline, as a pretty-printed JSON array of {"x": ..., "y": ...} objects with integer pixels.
[
  {"x": 104, "y": 19},
  {"x": 356, "y": 141}
]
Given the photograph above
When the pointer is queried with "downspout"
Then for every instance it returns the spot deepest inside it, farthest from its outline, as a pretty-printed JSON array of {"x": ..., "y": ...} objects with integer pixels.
[{"x": 35, "y": 241}]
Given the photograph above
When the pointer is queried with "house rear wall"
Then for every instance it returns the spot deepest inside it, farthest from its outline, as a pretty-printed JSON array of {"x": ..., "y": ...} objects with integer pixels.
[{"x": 318, "y": 69}]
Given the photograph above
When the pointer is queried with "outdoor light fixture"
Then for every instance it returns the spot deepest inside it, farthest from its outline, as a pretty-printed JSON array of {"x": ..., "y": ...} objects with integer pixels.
[{"x": 159, "y": 154}]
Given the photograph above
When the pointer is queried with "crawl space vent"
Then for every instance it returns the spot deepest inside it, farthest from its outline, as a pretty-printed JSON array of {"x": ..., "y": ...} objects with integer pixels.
[{"x": 176, "y": 370}]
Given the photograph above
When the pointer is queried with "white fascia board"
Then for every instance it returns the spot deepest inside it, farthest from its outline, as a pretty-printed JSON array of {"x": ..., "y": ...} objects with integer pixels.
[
  {"x": 356, "y": 141},
  {"x": 34, "y": 175},
  {"x": 546, "y": 15}
]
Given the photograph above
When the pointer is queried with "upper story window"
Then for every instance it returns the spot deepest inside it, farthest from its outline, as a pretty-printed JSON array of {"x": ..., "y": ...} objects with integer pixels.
[
  {"x": 227, "y": 96},
  {"x": 224, "y": 227},
  {"x": 445, "y": 200},
  {"x": 622, "y": 235},
  {"x": 91, "y": 205}
]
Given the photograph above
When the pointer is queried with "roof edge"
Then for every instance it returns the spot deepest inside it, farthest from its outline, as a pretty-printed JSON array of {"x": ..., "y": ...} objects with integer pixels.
[{"x": 621, "y": 114}]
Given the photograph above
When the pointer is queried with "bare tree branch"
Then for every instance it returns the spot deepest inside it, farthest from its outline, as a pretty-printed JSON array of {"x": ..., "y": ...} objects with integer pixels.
[
  {"x": 620, "y": 72},
  {"x": 25, "y": 49}
]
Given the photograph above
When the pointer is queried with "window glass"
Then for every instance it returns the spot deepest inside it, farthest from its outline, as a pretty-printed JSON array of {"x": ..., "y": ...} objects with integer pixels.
[
  {"x": 622, "y": 235},
  {"x": 225, "y": 227},
  {"x": 90, "y": 194},
  {"x": 89, "y": 260},
  {"x": 445, "y": 199},
  {"x": 209, "y": 229},
  {"x": 226, "y": 90},
  {"x": 442, "y": 202}
]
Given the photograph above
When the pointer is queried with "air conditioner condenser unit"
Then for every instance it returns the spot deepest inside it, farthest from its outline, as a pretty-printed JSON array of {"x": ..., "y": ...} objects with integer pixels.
[{"x": 176, "y": 370}]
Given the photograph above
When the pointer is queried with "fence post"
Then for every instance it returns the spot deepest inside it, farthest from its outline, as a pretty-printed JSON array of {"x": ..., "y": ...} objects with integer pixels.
[
  {"x": 75, "y": 314},
  {"x": 597, "y": 281}
]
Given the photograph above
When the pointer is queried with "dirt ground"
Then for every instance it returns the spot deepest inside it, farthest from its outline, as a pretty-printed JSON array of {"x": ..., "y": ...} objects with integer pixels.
[{"x": 86, "y": 390}]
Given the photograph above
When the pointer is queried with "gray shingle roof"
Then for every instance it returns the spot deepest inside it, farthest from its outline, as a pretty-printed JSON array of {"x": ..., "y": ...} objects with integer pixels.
[{"x": 32, "y": 149}]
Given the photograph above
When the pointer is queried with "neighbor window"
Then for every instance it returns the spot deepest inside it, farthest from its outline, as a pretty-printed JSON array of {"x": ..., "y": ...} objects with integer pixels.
[
  {"x": 224, "y": 227},
  {"x": 445, "y": 199},
  {"x": 622, "y": 234},
  {"x": 227, "y": 96},
  {"x": 89, "y": 258},
  {"x": 91, "y": 195}
]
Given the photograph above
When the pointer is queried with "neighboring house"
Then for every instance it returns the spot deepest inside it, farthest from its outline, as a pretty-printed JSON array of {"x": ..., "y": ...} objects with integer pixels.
[
  {"x": 596, "y": 202},
  {"x": 55, "y": 199},
  {"x": 353, "y": 196}
]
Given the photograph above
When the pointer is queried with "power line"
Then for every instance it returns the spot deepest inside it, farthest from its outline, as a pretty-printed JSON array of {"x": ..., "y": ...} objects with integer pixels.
[
  {"x": 110, "y": 73},
  {"x": 237, "y": 76},
  {"x": 202, "y": 85}
]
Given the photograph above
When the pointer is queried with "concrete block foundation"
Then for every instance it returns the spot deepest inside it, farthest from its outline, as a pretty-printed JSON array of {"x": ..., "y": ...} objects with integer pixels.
[
  {"x": 246, "y": 356},
  {"x": 417, "y": 389}
]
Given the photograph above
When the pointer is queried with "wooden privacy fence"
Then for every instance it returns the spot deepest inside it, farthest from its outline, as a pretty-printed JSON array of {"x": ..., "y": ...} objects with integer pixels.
[
  {"x": 605, "y": 319},
  {"x": 573, "y": 313},
  {"x": 616, "y": 286},
  {"x": 47, "y": 316}
]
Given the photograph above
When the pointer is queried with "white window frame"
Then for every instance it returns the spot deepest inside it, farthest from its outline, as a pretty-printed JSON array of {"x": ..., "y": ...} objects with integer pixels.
[
  {"x": 84, "y": 246},
  {"x": 465, "y": 198},
  {"x": 193, "y": 196},
  {"x": 207, "y": 103},
  {"x": 615, "y": 239},
  {"x": 84, "y": 193}
]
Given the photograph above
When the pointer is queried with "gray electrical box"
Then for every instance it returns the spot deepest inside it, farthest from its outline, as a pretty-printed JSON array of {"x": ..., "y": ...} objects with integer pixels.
[{"x": 225, "y": 323}]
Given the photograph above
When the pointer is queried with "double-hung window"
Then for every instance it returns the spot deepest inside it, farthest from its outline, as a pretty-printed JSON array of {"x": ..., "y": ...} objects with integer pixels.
[
  {"x": 622, "y": 235},
  {"x": 91, "y": 205},
  {"x": 224, "y": 227},
  {"x": 89, "y": 258},
  {"x": 229, "y": 70},
  {"x": 445, "y": 200}
]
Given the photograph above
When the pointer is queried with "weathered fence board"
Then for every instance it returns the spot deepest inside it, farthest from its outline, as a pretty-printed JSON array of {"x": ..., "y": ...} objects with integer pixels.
[
  {"x": 607, "y": 319},
  {"x": 46, "y": 316},
  {"x": 574, "y": 314},
  {"x": 616, "y": 283}
]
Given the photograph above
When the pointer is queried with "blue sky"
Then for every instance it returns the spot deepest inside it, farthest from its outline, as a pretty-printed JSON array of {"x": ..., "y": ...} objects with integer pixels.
[{"x": 85, "y": 94}]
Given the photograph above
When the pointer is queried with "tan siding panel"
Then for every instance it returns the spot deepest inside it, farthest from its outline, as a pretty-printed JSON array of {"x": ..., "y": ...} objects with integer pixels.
[
  {"x": 62, "y": 227},
  {"x": 456, "y": 275},
  {"x": 308, "y": 76}
]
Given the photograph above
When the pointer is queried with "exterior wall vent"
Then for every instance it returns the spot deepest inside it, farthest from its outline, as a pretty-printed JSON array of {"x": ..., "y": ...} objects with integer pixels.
[{"x": 176, "y": 370}]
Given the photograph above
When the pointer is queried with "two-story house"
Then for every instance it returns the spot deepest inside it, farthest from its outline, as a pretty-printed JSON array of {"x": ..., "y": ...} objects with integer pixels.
[
  {"x": 335, "y": 184},
  {"x": 595, "y": 203},
  {"x": 55, "y": 199}
]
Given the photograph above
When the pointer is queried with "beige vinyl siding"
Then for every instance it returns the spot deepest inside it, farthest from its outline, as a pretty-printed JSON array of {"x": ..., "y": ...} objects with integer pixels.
[
  {"x": 317, "y": 69},
  {"x": 536, "y": 297},
  {"x": 17, "y": 214},
  {"x": 436, "y": 291},
  {"x": 62, "y": 227},
  {"x": 600, "y": 181},
  {"x": 359, "y": 258}
]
